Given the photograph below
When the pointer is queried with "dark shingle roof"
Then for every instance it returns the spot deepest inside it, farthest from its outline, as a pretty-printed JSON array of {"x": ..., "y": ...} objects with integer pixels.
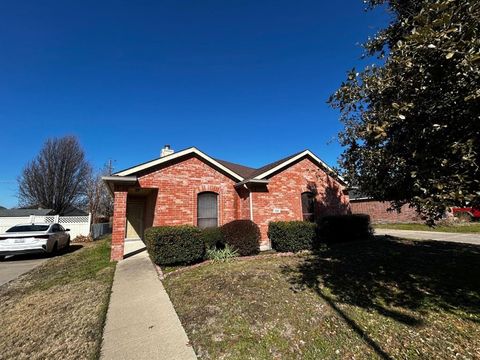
[
  {"x": 24, "y": 212},
  {"x": 248, "y": 172},
  {"x": 243, "y": 171},
  {"x": 272, "y": 165}
]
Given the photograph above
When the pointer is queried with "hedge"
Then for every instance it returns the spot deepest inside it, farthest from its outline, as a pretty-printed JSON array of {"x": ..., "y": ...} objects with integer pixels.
[
  {"x": 175, "y": 245},
  {"x": 343, "y": 228},
  {"x": 242, "y": 235},
  {"x": 212, "y": 237},
  {"x": 292, "y": 236}
]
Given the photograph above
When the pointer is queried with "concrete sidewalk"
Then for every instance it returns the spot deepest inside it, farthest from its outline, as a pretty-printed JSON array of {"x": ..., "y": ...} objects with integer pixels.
[
  {"x": 141, "y": 321},
  {"x": 431, "y": 235}
]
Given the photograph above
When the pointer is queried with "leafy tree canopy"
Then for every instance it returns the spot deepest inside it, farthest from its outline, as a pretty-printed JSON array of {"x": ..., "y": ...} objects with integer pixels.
[{"x": 412, "y": 123}]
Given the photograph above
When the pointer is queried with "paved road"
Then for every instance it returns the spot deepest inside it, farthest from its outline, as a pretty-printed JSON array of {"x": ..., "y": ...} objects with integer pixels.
[
  {"x": 431, "y": 235},
  {"x": 15, "y": 266}
]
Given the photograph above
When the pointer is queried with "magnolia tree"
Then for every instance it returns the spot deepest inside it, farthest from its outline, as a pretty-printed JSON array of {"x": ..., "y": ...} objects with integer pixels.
[{"x": 412, "y": 121}]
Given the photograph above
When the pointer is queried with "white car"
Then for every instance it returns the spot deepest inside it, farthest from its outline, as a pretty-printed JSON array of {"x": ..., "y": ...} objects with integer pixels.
[{"x": 33, "y": 238}]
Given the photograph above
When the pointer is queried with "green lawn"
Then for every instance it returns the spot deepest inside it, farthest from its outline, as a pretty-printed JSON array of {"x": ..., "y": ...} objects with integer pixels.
[
  {"x": 371, "y": 300},
  {"x": 57, "y": 310},
  {"x": 473, "y": 227}
]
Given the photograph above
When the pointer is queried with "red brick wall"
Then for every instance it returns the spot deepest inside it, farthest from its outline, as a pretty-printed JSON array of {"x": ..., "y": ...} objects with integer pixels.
[
  {"x": 178, "y": 186},
  {"x": 284, "y": 192},
  {"x": 119, "y": 221},
  {"x": 379, "y": 214}
]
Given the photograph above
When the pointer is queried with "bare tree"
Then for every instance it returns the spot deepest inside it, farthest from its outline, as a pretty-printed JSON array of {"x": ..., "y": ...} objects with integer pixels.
[
  {"x": 56, "y": 178},
  {"x": 99, "y": 201}
]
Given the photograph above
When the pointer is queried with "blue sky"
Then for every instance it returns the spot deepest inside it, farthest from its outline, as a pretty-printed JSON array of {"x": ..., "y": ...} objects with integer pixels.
[{"x": 245, "y": 81}]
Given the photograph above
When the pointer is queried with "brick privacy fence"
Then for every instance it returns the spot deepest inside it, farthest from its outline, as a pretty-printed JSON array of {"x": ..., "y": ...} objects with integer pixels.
[{"x": 379, "y": 214}]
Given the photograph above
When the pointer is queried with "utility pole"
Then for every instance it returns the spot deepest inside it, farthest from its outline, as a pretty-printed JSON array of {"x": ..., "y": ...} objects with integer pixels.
[{"x": 110, "y": 167}]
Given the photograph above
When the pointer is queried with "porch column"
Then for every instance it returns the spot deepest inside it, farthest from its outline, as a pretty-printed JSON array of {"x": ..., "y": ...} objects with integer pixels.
[{"x": 119, "y": 221}]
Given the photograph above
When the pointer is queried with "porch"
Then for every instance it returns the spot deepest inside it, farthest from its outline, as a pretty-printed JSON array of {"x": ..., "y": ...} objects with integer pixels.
[{"x": 134, "y": 209}]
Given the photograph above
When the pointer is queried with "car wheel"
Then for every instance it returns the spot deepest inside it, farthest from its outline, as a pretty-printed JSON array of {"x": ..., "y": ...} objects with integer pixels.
[
  {"x": 464, "y": 216},
  {"x": 54, "y": 249},
  {"x": 67, "y": 245},
  {"x": 2, "y": 257}
]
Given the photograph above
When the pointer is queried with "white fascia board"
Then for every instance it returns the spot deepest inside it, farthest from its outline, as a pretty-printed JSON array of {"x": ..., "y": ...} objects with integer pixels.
[
  {"x": 176, "y": 156},
  {"x": 292, "y": 160}
]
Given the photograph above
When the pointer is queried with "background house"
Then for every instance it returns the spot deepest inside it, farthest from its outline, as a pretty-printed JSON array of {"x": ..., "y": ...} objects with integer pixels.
[{"x": 378, "y": 210}]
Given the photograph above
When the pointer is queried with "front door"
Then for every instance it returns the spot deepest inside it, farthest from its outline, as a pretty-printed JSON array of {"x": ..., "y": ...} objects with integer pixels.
[{"x": 134, "y": 220}]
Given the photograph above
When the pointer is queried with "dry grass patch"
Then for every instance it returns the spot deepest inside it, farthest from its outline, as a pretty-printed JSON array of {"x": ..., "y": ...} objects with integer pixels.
[
  {"x": 57, "y": 311},
  {"x": 370, "y": 300}
]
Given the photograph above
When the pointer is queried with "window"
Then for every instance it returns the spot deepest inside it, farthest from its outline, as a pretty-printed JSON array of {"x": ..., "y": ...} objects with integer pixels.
[
  {"x": 207, "y": 210},
  {"x": 26, "y": 228},
  {"x": 308, "y": 206}
]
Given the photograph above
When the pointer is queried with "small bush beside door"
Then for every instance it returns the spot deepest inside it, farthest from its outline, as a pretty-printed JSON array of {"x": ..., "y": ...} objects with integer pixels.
[
  {"x": 175, "y": 245},
  {"x": 186, "y": 244}
]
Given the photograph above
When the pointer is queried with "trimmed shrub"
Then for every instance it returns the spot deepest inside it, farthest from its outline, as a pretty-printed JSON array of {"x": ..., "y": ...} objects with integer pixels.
[
  {"x": 175, "y": 245},
  {"x": 212, "y": 237},
  {"x": 292, "y": 236},
  {"x": 242, "y": 235},
  {"x": 343, "y": 228}
]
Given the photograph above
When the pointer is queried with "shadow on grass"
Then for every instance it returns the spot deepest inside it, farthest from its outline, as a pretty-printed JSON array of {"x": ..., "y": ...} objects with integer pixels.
[
  {"x": 72, "y": 248},
  {"x": 394, "y": 278}
]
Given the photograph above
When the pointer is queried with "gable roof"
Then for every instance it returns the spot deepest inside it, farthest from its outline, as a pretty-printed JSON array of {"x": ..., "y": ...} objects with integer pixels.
[
  {"x": 272, "y": 165},
  {"x": 240, "y": 172},
  {"x": 281, "y": 164},
  {"x": 176, "y": 155}
]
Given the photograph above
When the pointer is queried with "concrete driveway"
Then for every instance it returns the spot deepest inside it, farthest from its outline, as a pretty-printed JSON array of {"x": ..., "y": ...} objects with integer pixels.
[
  {"x": 431, "y": 235},
  {"x": 14, "y": 266}
]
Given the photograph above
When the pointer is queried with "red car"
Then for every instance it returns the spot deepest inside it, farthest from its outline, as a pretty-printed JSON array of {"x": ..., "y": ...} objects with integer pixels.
[{"x": 467, "y": 213}]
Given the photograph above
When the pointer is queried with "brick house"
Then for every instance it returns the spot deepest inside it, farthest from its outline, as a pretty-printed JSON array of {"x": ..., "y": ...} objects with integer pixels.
[{"x": 190, "y": 187}]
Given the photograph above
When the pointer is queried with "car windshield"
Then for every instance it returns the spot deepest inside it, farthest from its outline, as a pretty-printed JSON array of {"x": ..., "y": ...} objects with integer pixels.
[{"x": 25, "y": 228}]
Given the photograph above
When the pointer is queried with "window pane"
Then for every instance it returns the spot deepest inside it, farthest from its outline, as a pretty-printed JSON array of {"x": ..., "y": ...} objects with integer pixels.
[
  {"x": 308, "y": 206},
  {"x": 207, "y": 210}
]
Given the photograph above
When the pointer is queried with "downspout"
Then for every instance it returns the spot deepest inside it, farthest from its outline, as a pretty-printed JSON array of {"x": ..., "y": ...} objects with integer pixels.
[
  {"x": 250, "y": 200},
  {"x": 250, "y": 196}
]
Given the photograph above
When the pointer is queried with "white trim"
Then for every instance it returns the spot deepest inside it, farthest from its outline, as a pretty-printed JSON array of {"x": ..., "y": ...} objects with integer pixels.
[
  {"x": 295, "y": 158},
  {"x": 174, "y": 156}
]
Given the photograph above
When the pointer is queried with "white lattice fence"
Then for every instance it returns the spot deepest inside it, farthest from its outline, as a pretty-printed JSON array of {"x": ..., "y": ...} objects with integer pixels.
[{"x": 78, "y": 225}]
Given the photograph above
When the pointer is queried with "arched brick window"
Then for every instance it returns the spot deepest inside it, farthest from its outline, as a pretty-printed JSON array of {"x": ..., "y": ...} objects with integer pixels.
[
  {"x": 207, "y": 210},
  {"x": 308, "y": 206}
]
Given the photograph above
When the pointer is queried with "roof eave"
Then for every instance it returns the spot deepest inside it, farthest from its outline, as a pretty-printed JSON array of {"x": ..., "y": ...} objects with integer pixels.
[
  {"x": 119, "y": 180},
  {"x": 295, "y": 158},
  {"x": 177, "y": 155},
  {"x": 252, "y": 181}
]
